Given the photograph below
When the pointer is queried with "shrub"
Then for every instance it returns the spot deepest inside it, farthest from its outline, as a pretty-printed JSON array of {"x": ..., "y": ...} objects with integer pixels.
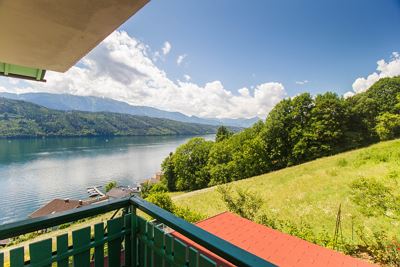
[
  {"x": 188, "y": 214},
  {"x": 161, "y": 199},
  {"x": 110, "y": 185},
  {"x": 243, "y": 202}
]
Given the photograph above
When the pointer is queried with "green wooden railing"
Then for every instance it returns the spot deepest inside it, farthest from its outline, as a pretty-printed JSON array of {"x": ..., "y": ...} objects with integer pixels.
[{"x": 128, "y": 240}]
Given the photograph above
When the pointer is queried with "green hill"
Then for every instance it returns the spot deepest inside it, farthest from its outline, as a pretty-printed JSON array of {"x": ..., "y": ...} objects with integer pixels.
[
  {"x": 311, "y": 193},
  {"x": 24, "y": 119}
]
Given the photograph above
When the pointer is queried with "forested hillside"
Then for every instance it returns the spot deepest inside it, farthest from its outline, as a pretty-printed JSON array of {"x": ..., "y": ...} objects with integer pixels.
[
  {"x": 297, "y": 130},
  {"x": 23, "y": 119}
]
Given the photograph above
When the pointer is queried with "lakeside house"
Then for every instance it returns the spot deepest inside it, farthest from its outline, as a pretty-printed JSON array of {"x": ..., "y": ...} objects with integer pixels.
[
  {"x": 153, "y": 180},
  {"x": 57, "y": 205},
  {"x": 123, "y": 191}
]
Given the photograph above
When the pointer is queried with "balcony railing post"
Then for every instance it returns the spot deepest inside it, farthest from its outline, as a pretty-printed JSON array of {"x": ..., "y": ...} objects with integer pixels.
[{"x": 133, "y": 236}]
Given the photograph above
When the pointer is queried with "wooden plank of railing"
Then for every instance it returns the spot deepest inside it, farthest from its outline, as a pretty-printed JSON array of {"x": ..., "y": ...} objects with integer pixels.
[
  {"x": 179, "y": 252},
  {"x": 168, "y": 249},
  {"x": 80, "y": 239},
  {"x": 159, "y": 245},
  {"x": 114, "y": 227},
  {"x": 206, "y": 262},
  {"x": 40, "y": 251},
  {"x": 99, "y": 248},
  {"x": 128, "y": 241},
  {"x": 17, "y": 257},
  {"x": 193, "y": 257},
  {"x": 62, "y": 247}
]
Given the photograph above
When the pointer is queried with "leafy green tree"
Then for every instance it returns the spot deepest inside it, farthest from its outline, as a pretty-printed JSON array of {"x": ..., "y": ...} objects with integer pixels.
[
  {"x": 276, "y": 135},
  {"x": 388, "y": 126},
  {"x": 222, "y": 134},
  {"x": 190, "y": 164},
  {"x": 110, "y": 185},
  {"x": 327, "y": 127},
  {"x": 169, "y": 177}
]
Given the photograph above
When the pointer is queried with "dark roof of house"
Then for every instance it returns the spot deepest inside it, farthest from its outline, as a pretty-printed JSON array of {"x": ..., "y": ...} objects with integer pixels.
[
  {"x": 276, "y": 247},
  {"x": 56, "y": 205},
  {"x": 120, "y": 192}
]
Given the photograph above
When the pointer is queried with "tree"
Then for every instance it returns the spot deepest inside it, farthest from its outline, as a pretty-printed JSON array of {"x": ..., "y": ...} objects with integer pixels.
[
  {"x": 190, "y": 162},
  {"x": 110, "y": 185},
  {"x": 325, "y": 133},
  {"x": 169, "y": 177},
  {"x": 388, "y": 126},
  {"x": 276, "y": 135},
  {"x": 222, "y": 134}
]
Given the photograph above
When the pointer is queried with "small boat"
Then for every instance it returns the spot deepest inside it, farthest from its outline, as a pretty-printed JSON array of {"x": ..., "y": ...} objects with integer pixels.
[
  {"x": 93, "y": 194},
  {"x": 91, "y": 190}
]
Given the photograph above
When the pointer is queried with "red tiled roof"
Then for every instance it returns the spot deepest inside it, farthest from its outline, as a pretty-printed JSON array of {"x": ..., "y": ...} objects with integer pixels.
[{"x": 276, "y": 247}]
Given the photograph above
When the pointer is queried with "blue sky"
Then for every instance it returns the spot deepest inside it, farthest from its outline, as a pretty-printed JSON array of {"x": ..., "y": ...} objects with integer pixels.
[
  {"x": 328, "y": 43},
  {"x": 238, "y": 58}
]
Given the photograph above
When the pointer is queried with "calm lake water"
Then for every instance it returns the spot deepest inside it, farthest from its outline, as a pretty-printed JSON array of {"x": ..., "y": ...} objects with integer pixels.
[{"x": 34, "y": 171}]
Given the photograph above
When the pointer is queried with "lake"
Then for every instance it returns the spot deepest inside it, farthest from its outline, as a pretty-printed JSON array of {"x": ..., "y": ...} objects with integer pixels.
[{"x": 35, "y": 171}]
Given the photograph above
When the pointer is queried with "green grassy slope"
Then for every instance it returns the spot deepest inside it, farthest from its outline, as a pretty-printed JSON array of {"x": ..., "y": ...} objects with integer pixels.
[{"x": 312, "y": 192}]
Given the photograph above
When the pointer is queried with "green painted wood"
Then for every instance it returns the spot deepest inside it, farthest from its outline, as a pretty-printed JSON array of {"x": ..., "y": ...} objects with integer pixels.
[
  {"x": 17, "y": 257},
  {"x": 114, "y": 226},
  {"x": 168, "y": 250},
  {"x": 134, "y": 239},
  {"x": 41, "y": 251},
  {"x": 81, "y": 238},
  {"x": 193, "y": 257},
  {"x": 31, "y": 225},
  {"x": 62, "y": 247},
  {"x": 127, "y": 242},
  {"x": 99, "y": 249},
  {"x": 150, "y": 244},
  {"x": 159, "y": 247},
  {"x": 180, "y": 249},
  {"x": 142, "y": 247},
  {"x": 21, "y": 71},
  {"x": 206, "y": 262}
]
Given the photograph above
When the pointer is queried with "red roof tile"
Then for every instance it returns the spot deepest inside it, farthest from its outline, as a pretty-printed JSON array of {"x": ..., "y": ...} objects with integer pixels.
[{"x": 276, "y": 247}]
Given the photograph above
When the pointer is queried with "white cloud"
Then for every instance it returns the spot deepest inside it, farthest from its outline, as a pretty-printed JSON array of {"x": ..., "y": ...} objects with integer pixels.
[
  {"x": 187, "y": 77},
  {"x": 302, "y": 82},
  {"x": 166, "y": 48},
  {"x": 121, "y": 68},
  {"x": 348, "y": 94},
  {"x": 180, "y": 59},
  {"x": 384, "y": 69}
]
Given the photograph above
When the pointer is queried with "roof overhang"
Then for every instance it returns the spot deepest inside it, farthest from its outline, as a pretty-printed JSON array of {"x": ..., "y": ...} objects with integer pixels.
[{"x": 54, "y": 34}]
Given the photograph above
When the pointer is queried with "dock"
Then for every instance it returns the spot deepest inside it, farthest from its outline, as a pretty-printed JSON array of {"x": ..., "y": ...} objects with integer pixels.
[{"x": 96, "y": 188}]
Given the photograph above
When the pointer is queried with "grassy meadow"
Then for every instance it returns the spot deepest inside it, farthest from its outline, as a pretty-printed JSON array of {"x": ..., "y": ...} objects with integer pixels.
[{"x": 312, "y": 192}]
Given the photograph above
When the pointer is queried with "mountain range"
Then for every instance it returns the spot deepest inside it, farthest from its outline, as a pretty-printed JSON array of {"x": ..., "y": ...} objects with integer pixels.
[
  {"x": 24, "y": 119},
  {"x": 66, "y": 102}
]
